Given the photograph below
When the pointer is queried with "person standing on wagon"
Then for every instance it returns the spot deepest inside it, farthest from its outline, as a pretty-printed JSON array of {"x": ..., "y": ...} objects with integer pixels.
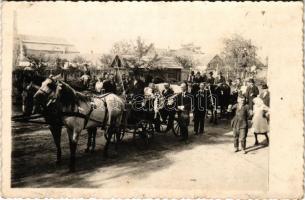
[{"x": 240, "y": 123}]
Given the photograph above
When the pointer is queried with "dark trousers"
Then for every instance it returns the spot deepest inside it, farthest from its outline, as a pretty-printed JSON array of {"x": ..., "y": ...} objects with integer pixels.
[
  {"x": 183, "y": 121},
  {"x": 168, "y": 115},
  {"x": 199, "y": 118},
  {"x": 242, "y": 134}
]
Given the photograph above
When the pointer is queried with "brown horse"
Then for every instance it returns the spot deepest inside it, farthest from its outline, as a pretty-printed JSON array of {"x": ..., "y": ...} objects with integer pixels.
[{"x": 78, "y": 111}]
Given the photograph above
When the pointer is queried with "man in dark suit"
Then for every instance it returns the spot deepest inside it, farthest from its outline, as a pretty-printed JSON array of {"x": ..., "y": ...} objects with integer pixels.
[
  {"x": 196, "y": 81},
  {"x": 200, "y": 107},
  {"x": 251, "y": 92},
  {"x": 184, "y": 106},
  {"x": 109, "y": 85},
  {"x": 240, "y": 123},
  {"x": 221, "y": 78},
  {"x": 167, "y": 111},
  {"x": 211, "y": 79}
]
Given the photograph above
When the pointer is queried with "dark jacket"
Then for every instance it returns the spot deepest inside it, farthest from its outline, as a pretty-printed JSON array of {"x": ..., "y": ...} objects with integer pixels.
[
  {"x": 185, "y": 101},
  {"x": 266, "y": 98},
  {"x": 167, "y": 93},
  {"x": 251, "y": 93},
  {"x": 198, "y": 79},
  {"x": 109, "y": 86},
  {"x": 136, "y": 89},
  {"x": 221, "y": 79},
  {"x": 240, "y": 120},
  {"x": 201, "y": 101},
  {"x": 211, "y": 80}
]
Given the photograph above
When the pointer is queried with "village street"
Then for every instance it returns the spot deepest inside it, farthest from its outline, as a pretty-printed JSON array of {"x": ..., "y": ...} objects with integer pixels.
[{"x": 206, "y": 162}]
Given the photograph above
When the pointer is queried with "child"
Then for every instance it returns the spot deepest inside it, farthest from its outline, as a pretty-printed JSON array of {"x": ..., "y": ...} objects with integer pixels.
[
  {"x": 240, "y": 123},
  {"x": 260, "y": 121}
]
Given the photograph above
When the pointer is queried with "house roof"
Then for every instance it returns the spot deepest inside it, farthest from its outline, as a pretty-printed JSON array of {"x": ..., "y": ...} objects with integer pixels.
[
  {"x": 168, "y": 62},
  {"x": 43, "y": 39},
  {"x": 43, "y": 43}
]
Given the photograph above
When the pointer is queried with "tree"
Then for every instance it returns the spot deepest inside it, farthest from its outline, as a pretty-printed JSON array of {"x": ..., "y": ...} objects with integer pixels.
[
  {"x": 122, "y": 47},
  {"x": 79, "y": 59},
  {"x": 139, "y": 53},
  {"x": 106, "y": 60},
  {"x": 239, "y": 53},
  {"x": 185, "y": 61}
]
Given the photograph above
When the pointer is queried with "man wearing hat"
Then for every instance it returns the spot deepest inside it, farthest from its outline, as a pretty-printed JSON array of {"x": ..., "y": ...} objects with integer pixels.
[
  {"x": 167, "y": 112},
  {"x": 221, "y": 78},
  {"x": 265, "y": 95},
  {"x": 211, "y": 79},
  {"x": 251, "y": 92}
]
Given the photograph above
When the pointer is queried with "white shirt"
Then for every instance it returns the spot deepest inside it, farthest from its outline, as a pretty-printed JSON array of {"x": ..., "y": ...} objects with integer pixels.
[{"x": 99, "y": 86}]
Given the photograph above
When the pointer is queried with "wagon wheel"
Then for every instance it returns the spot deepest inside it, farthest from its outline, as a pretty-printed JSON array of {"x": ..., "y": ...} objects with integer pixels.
[
  {"x": 147, "y": 132},
  {"x": 163, "y": 126},
  {"x": 176, "y": 128}
]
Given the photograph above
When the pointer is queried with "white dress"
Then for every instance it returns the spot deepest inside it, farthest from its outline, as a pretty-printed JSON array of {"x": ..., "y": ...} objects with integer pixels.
[{"x": 259, "y": 122}]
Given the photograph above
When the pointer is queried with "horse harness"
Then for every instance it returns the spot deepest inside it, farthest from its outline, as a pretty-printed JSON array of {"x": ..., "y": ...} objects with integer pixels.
[{"x": 87, "y": 116}]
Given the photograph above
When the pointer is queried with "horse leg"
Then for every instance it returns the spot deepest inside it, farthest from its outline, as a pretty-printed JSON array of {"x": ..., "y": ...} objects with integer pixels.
[
  {"x": 109, "y": 132},
  {"x": 73, "y": 138},
  {"x": 215, "y": 117},
  {"x": 117, "y": 141},
  {"x": 90, "y": 134},
  {"x": 93, "y": 139},
  {"x": 56, "y": 133}
]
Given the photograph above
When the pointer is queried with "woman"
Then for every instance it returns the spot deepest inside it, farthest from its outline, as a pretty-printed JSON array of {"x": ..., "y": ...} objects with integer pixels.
[{"x": 259, "y": 120}]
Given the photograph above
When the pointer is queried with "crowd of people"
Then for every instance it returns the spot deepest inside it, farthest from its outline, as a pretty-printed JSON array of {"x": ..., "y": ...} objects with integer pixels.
[
  {"x": 245, "y": 101},
  {"x": 250, "y": 107}
]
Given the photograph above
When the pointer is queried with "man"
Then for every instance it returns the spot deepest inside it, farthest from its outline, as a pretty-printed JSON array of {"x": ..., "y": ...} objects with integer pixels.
[
  {"x": 137, "y": 86},
  {"x": 167, "y": 111},
  {"x": 211, "y": 79},
  {"x": 240, "y": 123},
  {"x": 197, "y": 78},
  {"x": 204, "y": 77},
  {"x": 109, "y": 85},
  {"x": 85, "y": 78},
  {"x": 200, "y": 107},
  {"x": 265, "y": 95},
  {"x": 196, "y": 81},
  {"x": 251, "y": 92},
  {"x": 184, "y": 104},
  {"x": 191, "y": 77},
  {"x": 99, "y": 85},
  {"x": 221, "y": 78}
]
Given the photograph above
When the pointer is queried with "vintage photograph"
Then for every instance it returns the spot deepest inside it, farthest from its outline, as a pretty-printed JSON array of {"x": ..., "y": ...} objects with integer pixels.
[{"x": 153, "y": 96}]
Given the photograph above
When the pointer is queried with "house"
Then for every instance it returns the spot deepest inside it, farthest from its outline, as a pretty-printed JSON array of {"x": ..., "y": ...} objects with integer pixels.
[
  {"x": 215, "y": 64},
  {"x": 35, "y": 45},
  {"x": 164, "y": 68}
]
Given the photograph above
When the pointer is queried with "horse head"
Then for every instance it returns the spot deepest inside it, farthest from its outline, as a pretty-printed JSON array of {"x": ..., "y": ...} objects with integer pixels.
[{"x": 47, "y": 90}]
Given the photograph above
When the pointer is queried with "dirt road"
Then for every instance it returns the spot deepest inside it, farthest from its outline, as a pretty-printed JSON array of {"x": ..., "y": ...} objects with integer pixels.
[{"x": 206, "y": 162}]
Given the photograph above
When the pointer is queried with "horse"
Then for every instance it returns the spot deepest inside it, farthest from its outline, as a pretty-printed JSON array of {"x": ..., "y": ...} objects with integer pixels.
[
  {"x": 77, "y": 111},
  {"x": 51, "y": 118}
]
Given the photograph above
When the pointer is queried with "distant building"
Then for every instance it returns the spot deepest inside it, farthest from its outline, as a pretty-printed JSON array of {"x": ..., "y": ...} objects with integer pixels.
[
  {"x": 215, "y": 64},
  {"x": 34, "y": 45}
]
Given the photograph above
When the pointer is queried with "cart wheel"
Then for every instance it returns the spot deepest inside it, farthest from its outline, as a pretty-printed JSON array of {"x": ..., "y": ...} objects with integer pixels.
[
  {"x": 176, "y": 129},
  {"x": 147, "y": 131},
  {"x": 163, "y": 127}
]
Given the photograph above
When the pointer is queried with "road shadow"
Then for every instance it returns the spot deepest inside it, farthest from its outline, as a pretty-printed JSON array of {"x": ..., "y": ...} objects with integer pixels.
[{"x": 34, "y": 155}]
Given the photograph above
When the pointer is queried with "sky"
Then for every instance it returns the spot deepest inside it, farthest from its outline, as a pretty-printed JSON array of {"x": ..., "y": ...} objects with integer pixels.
[{"x": 97, "y": 26}]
